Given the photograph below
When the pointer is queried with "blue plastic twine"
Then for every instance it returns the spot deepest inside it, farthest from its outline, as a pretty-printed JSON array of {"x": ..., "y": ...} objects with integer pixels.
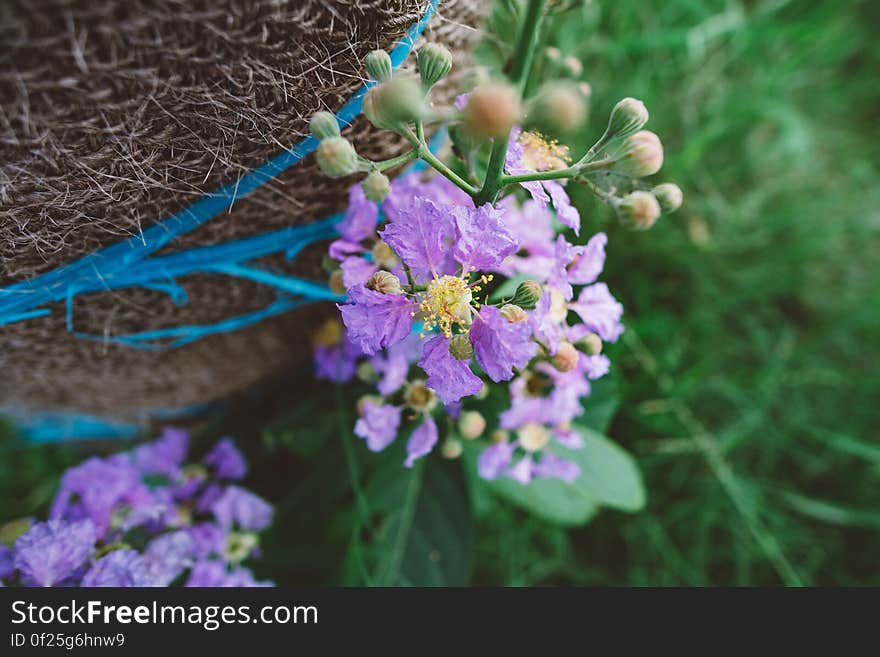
[{"x": 129, "y": 263}]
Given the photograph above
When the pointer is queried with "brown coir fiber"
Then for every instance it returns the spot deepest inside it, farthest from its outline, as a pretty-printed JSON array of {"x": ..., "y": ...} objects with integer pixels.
[{"x": 117, "y": 113}]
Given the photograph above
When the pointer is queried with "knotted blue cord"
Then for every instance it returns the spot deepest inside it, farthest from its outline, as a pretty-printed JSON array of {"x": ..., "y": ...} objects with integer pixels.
[{"x": 128, "y": 264}]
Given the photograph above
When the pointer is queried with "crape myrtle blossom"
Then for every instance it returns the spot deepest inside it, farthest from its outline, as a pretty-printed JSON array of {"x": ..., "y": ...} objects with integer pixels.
[
  {"x": 144, "y": 518},
  {"x": 423, "y": 328}
]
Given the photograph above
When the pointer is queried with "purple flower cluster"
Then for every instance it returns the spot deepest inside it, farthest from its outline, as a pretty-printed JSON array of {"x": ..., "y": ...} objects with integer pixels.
[
  {"x": 421, "y": 324},
  {"x": 144, "y": 518}
]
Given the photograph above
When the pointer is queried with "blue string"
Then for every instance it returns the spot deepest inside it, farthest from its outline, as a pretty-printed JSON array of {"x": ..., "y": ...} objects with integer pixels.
[{"x": 129, "y": 263}]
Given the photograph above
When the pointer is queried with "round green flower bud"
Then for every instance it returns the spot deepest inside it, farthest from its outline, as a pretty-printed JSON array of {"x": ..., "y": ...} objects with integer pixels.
[
  {"x": 639, "y": 210},
  {"x": 367, "y": 372},
  {"x": 642, "y": 155},
  {"x": 513, "y": 313},
  {"x": 451, "y": 448},
  {"x": 384, "y": 282},
  {"x": 590, "y": 344},
  {"x": 527, "y": 294},
  {"x": 471, "y": 425},
  {"x": 669, "y": 196},
  {"x": 376, "y": 186},
  {"x": 460, "y": 347},
  {"x": 394, "y": 102},
  {"x": 492, "y": 110},
  {"x": 337, "y": 157},
  {"x": 628, "y": 116},
  {"x": 435, "y": 62},
  {"x": 323, "y": 125},
  {"x": 560, "y": 106},
  {"x": 378, "y": 65}
]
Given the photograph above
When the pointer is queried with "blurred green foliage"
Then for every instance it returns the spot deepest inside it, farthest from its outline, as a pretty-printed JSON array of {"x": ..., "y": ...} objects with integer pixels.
[{"x": 746, "y": 386}]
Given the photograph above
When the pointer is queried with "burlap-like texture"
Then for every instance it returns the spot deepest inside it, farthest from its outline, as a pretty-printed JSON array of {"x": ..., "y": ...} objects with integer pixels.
[{"x": 116, "y": 114}]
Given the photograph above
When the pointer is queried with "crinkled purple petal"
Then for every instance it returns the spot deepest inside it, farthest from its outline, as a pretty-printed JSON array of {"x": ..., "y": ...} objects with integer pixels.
[
  {"x": 449, "y": 377},
  {"x": 167, "y": 556},
  {"x": 406, "y": 188},
  {"x": 49, "y": 552},
  {"x": 494, "y": 460},
  {"x": 226, "y": 460},
  {"x": 360, "y": 218},
  {"x": 589, "y": 264},
  {"x": 165, "y": 454},
  {"x": 532, "y": 226},
  {"x": 600, "y": 311},
  {"x": 207, "y": 539},
  {"x": 523, "y": 471},
  {"x": 421, "y": 236},
  {"x": 421, "y": 442},
  {"x": 378, "y": 426},
  {"x": 499, "y": 345},
  {"x": 119, "y": 568},
  {"x": 356, "y": 271},
  {"x": 555, "y": 467},
  {"x": 545, "y": 328},
  {"x": 563, "y": 254},
  {"x": 375, "y": 320},
  {"x": 565, "y": 211},
  {"x": 596, "y": 366},
  {"x": 238, "y": 506},
  {"x": 568, "y": 438},
  {"x": 482, "y": 239},
  {"x": 7, "y": 565},
  {"x": 392, "y": 365}
]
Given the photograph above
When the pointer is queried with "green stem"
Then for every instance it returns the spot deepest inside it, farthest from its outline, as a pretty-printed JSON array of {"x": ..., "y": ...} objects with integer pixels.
[
  {"x": 419, "y": 143},
  {"x": 519, "y": 74},
  {"x": 555, "y": 174},
  {"x": 407, "y": 157}
]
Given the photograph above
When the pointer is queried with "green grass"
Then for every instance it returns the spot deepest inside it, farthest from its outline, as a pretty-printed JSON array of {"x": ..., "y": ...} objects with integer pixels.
[{"x": 748, "y": 373}]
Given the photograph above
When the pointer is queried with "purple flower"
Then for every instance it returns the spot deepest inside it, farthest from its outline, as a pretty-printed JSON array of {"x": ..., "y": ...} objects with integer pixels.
[
  {"x": 207, "y": 539},
  {"x": 119, "y": 568},
  {"x": 360, "y": 218},
  {"x": 590, "y": 262},
  {"x": 96, "y": 487},
  {"x": 341, "y": 249},
  {"x": 165, "y": 455},
  {"x": 600, "y": 311},
  {"x": 378, "y": 426},
  {"x": 523, "y": 471},
  {"x": 421, "y": 236},
  {"x": 51, "y": 551},
  {"x": 237, "y": 506},
  {"x": 421, "y": 442},
  {"x": 167, "y": 556},
  {"x": 494, "y": 460},
  {"x": 449, "y": 377},
  {"x": 392, "y": 365},
  {"x": 213, "y": 573},
  {"x": 557, "y": 276},
  {"x": 356, "y": 271},
  {"x": 406, "y": 188},
  {"x": 555, "y": 467},
  {"x": 482, "y": 240},
  {"x": 544, "y": 325},
  {"x": 337, "y": 362},
  {"x": 375, "y": 320},
  {"x": 227, "y": 461},
  {"x": 500, "y": 345},
  {"x": 7, "y": 565}
]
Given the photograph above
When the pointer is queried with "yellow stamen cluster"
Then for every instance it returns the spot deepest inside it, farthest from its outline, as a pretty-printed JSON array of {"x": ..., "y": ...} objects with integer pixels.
[
  {"x": 447, "y": 301},
  {"x": 542, "y": 154}
]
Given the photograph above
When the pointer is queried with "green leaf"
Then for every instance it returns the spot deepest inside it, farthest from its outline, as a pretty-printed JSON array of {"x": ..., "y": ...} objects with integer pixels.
[{"x": 609, "y": 477}]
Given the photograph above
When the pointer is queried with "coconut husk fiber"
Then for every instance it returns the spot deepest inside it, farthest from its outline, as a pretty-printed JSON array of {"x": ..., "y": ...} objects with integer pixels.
[{"x": 115, "y": 114}]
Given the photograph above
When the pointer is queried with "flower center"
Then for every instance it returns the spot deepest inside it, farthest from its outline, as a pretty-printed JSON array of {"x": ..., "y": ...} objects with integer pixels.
[
  {"x": 447, "y": 301},
  {"x": 542, "y": 154}
]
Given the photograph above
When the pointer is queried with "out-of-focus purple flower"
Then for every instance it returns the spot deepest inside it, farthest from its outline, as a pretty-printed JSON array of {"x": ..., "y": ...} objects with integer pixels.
[
  {"x": 356, "y": 271},
  {"x": 341, "y": 249},
  {"x": 421, "y": 442},
  {"x": 589, "y": 263},
  {"x": 164, "y": 455},
  {"x": 207, "y": 539},
  {"x": 7, "y": 566},
  {"x": 238, "y": 506},
  {"x": 493, "y": 460},
  {"x": 557, "y": 276},
  {"x": 337, "y": 362},
  {"x": 360, "y": 218},
  {"x": 167, "y": 556},
  {"x": 96, "y": 487},
  {"x": 51, "y": 551},
  {"x": 421, "y": 236},
  {"x": 600, "y": 311},
  {"x": 482, "y": 239},
  {"x": 375, "y": 320},
  {"x": 523, "y": 471},
  {"x": 118, "y": 568},
  {"x": 546, "y": 327},
  {"x": 378, "y": 426},
  {"x": 555, "y": 467},
  {"x": 214, "y": 574},
  {"x": 226, "y": 460},
  {"x": 449, "y": 377},
  {"x": 500, "y": 345},
  {"x": 406, "y": 188},
  {"x": 392, "y": 365}
]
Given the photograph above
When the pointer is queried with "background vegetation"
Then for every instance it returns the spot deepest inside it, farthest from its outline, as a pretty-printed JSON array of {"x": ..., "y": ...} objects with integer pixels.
[{"x": 746, "y": 386}]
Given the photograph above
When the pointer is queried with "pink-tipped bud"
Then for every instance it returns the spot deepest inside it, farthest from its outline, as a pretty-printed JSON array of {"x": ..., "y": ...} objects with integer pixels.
[
  {"x": 500, "y": 436},
  {"x": 573, "y": 65},
  {"x": 628, "y": 116},
  {"x": 513, "y": 313},
  {"x": 337, "y": 157},
  {"x": 566, "y": 357},
  {"x": 669, "y": 196},
  {"x": 642, "y": 155},
  {"x": 590, "y": 344},
  {"x": 376, "y": 186},
  {"x": 638, "y": 210},
  {"x": 560, "y": 106},
  {"x": 471, "y": 425},
  {"x": 384, "y": 282},
  {"x": 492, "y": 110},
  {"x": 451, "y": 448}
]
